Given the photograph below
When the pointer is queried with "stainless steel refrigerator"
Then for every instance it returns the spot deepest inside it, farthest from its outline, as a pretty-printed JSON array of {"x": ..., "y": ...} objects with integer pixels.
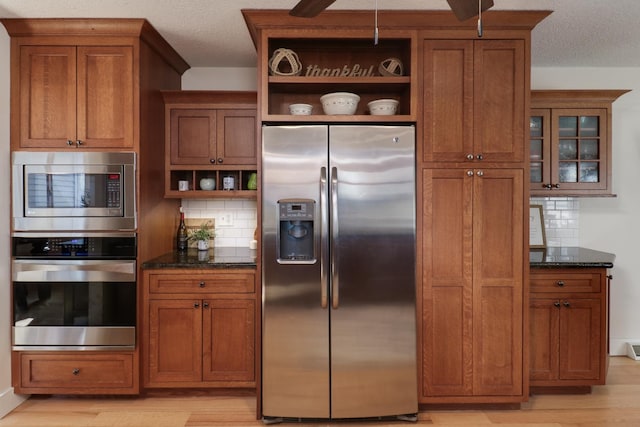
[{"x": 338, "y": 246}]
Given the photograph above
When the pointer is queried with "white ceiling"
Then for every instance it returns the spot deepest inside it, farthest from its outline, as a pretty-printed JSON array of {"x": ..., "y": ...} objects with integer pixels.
[{"x": 212, "y": 33}]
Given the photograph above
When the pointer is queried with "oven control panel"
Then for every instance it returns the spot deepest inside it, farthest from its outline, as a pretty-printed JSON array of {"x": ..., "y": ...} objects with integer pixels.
[{"x": 61, "y": 247}]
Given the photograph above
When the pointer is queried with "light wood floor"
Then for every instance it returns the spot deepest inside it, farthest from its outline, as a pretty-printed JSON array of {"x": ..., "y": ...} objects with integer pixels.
[{"x": 616, "y": 404}]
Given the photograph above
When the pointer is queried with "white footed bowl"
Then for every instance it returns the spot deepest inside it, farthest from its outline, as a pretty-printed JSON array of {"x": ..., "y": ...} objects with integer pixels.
[
  {"x": 300, "y": 109},
  {"x": 383, "y": 107},
  {"x": 339, "y": 103}
]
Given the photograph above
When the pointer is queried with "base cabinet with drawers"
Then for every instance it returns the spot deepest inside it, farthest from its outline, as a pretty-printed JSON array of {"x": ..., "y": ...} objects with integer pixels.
[
  {"x": 199, "y": 328},
  {"x": 569, "y": 330},
  {"x": 54, "y": 372}
]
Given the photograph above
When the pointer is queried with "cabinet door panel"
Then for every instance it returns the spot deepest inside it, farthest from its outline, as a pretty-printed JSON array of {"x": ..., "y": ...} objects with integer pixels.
[
  {"x": 580, "y": 339},
  {"x": 228, "y": 340},
  {"x": 448, "y": 100},
  {"x": 578, "y": 148},
  {"x": 446, "y": 279},
  {"x": 544, "y": 333},
  {"x": 498, "y": 229},
  {"x": 105, "y": 96},
  {"x": 499, "y": 100},
  {"x": 47, "y": 96},
  {"x": 175, "y": 341},
  {"x": 193, "y": 136},
  {"x": 237, "y": 137}
]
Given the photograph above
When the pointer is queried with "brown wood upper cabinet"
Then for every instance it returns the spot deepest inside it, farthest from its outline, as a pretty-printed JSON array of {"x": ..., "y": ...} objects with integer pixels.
[
  {"x": 210, "y": 134},
  {"x": 474, "y": 100},
  {"x": 570, "y": 142},
  {"x": 76, "y": 96}
]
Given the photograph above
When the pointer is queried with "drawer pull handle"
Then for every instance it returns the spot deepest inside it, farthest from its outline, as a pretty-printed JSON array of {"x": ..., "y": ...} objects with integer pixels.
[
  {"x": 75, "y": 371},
  {"x": 201, "y": 284},
  {"x": 560, "y": 283},
  {"x": 556, "y": 304},
  {"x": 566, "y": 304}
]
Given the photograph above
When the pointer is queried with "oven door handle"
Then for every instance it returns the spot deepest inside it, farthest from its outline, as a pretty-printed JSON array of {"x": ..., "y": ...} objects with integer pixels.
[{"x": 73, "y": 271}]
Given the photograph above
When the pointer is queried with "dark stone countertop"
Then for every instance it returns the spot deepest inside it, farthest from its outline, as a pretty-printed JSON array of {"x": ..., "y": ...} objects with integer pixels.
[
  {"x": 569, "y": 257},
  {"x": 213, "y": 258}
]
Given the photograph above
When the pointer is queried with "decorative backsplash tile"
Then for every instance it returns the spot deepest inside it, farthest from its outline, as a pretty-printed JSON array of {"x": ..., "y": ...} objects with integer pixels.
[
  {"x": 241, "y": 213},
  {"x": 561, "y": 219}
]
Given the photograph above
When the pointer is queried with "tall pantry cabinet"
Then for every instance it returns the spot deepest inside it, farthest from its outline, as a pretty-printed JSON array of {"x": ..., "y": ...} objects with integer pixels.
[{"x": 473, "y": 238}]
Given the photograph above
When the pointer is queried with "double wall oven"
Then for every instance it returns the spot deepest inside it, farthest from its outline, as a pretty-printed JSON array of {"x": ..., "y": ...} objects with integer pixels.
[{"x": 74, "y": 248}]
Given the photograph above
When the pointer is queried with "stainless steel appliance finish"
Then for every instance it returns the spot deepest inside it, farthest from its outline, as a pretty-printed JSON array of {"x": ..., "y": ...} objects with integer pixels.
[
  {"x": 75, "y": 191},
  {"x": 339, "y": 317},
  {"x": 74, "y": 291}
]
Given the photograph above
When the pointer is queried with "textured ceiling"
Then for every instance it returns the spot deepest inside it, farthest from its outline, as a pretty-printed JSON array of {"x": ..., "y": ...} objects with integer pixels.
[{"x": 212, "y": 33}]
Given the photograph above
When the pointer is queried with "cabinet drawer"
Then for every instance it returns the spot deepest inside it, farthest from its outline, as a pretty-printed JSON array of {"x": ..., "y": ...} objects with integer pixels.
[
  {"x": 75, "y": 371},
  {"x": 206, "y": 283},
  {"x": 565, "y": 282}
]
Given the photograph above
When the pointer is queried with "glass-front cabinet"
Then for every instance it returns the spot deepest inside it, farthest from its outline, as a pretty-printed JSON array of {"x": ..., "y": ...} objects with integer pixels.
[{"x": 570, "y": 143}]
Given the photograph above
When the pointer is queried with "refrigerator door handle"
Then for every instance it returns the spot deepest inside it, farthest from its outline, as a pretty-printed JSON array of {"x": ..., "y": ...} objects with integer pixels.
[
  {"x": 324, "y": 226},
  {"x": 335, "y": 283}
]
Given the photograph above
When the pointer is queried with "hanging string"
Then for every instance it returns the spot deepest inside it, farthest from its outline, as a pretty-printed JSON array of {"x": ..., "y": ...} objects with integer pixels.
[
  {"x": 479, "y": 18},
  {"x": 375, "y": 30}
]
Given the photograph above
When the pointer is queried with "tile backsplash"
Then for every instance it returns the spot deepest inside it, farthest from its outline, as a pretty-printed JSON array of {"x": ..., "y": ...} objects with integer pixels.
[
  {"x": 561, "y": 219},
  {"x": 241, "y": 213}
]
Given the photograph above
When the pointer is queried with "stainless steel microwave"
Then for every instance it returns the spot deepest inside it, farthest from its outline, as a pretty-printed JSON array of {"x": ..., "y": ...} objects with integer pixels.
[{"x": 73, "y": 191}]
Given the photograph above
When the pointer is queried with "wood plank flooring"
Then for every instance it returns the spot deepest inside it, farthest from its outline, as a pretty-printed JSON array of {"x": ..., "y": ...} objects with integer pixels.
[{"x": 616, "y": 404}]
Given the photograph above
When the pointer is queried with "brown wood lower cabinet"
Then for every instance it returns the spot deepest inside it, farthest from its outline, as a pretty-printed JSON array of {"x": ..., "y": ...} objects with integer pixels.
[
  {"x": 568, "y": 314},
  {"x": 75, "y": 372},
  {"x": 199, "y": 328}
]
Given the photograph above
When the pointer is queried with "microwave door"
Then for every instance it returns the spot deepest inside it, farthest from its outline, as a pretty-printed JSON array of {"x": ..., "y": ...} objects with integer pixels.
[{"x": 73, "y": 191}]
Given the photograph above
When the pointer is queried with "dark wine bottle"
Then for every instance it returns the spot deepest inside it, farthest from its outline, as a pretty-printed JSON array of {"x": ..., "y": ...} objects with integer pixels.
[{"x": 181, "y": 235}]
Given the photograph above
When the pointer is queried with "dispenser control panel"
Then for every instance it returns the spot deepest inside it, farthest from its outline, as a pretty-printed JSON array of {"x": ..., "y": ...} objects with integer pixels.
[
  {"x": 300, "y": 210},
  {"x": 296, "y": 236}
]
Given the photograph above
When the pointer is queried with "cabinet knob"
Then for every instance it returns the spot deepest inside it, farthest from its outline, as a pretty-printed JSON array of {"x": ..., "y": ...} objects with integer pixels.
[
  {"x": 75, "y": 371},
  {"x": 469, "y": 173},
  {"x": 78, "y": 143},
  {"x": 205, "y": 304},
  {"x": 69, "y": 142},
  {"x": 547, "y": 186},
  {"x": 212, "y": 161},
  {"x": 196, "y": 304},
  {"x": 560, "y": 283},
  {"x": 556, "y": 304},
  {"x": 480, "y": 173},
  {"x": 220, "y": 159},
  {"x": 480, "y": 157},
  {"x": 566, "y": 304},
  {"x": 556, "y": 185},
  {"x": 469, "y": 156},
  {"x": 202, "y": 284}
]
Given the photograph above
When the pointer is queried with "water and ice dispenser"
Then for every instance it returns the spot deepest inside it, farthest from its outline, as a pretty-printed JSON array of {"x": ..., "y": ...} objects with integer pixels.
[{"x": 296, "y": 231}]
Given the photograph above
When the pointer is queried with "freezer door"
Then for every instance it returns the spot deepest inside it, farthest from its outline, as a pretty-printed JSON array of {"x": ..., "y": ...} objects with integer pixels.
[
  {"x": 295, "y": 324},
  {"x": 373, "y": 315}
]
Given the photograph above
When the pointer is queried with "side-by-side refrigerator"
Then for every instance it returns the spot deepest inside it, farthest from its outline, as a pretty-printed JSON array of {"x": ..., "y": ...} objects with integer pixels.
[{"x": 339, "y": 316}]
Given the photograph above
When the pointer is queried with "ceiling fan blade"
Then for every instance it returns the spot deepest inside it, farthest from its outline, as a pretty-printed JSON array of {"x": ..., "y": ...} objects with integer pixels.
[
  {"x": 310, "y": 8},
  {"x": 465, "y": 9}
]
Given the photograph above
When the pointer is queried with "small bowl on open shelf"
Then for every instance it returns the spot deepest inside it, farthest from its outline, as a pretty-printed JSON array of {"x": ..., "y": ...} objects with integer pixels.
[
  {"x": 383, "y": 107},
  {"x": 300, "y": 109}
]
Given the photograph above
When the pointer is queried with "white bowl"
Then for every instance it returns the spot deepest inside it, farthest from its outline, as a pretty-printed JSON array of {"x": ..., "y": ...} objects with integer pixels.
[
  {"x": 300, "y": 109},
  {"x": 339, "y": 103},
  {"x": 383, "y": 107}
]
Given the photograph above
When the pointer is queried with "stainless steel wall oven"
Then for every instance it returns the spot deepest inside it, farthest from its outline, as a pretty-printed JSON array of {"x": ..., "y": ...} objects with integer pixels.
[{"x": 74, "y": 291}]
